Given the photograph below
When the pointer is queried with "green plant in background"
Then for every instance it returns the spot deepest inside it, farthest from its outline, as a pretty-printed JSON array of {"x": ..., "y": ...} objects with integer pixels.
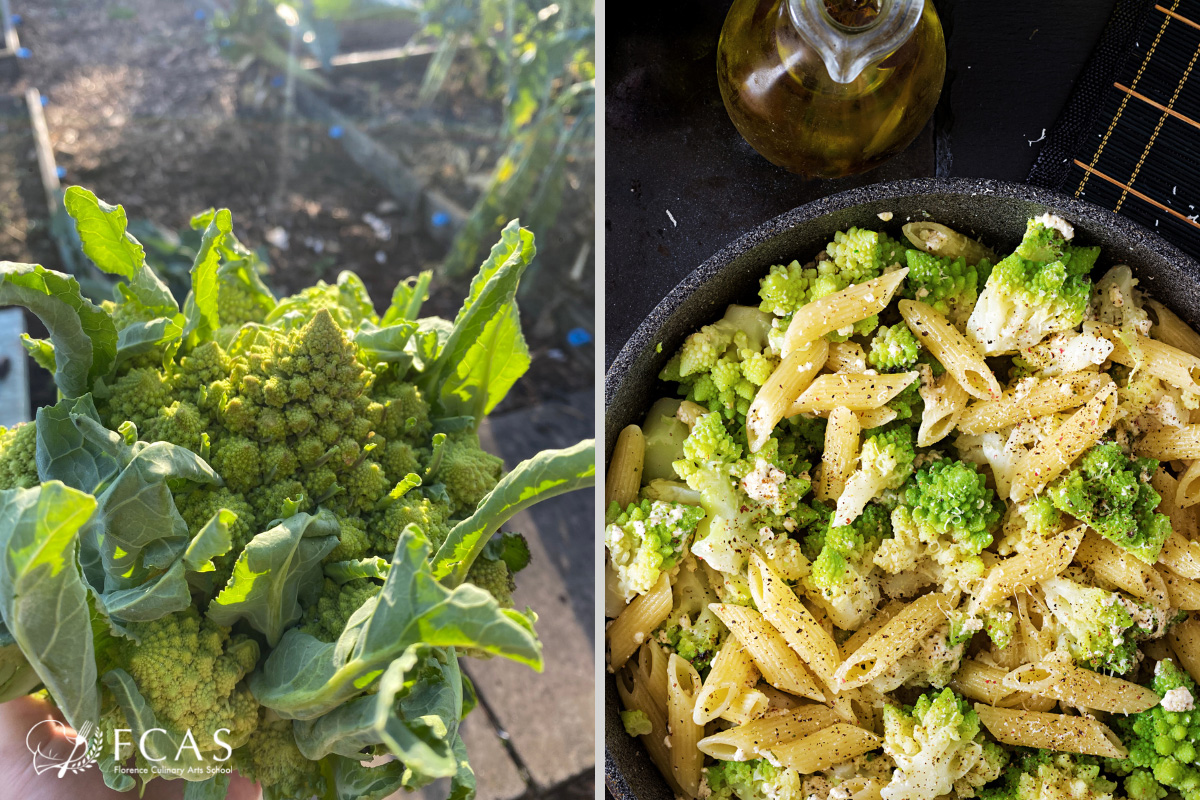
[{"x": 268, "y": 517}]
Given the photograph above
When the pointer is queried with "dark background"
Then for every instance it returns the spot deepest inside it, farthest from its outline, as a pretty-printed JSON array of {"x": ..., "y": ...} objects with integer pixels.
[{"x": 669, "y": 145}]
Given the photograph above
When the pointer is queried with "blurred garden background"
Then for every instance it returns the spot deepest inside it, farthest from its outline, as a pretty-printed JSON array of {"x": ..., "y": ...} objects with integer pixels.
[{"x": 380, "y": 136}]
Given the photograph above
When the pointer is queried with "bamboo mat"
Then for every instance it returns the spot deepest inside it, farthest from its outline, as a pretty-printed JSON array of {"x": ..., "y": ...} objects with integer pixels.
[{"x": 1129, "y": 139}]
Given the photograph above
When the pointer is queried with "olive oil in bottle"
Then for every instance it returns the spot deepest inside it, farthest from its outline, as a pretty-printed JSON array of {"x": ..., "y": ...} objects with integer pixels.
[{"x": 827, "y": 88}]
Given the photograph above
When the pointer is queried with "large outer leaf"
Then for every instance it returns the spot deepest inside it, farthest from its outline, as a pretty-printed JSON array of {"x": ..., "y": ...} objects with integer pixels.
[
  {"x": 485, "y": 352},
  {"x": 42, "y": 597},
  {"x": 278, "y": 567},
  {"x": 200, "y": 309},
  {"x": 65, "y": 454},
  {"x": 549, "y": 473},
  {"x": 142, "y": 528},
  {"x": 419, "y": 728},
  {"x": 354, "y": 781},
  {"x": 384, "y": 344},
  {"x": 102, "y": 231},
  {"x": 156, "y": 743},
  {"x": 407, "y": 298},
  {"x": 304, "y": 678},
  {"x": 142, "y": 337},
  {"x": 84, "y": 336}
]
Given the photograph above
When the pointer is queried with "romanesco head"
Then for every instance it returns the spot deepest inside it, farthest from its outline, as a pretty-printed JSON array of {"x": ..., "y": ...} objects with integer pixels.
[
  {"x": 1163, "y": 745},
  {"x": 648, "y": 538},
  {"x": 710, "y": 441},
  {"x": 952, "y": 499},
  {"x": 862, "y": 254},
  {"x": 272, "y": 759},
  {"x": 893, "y": 349},
  {"x": 950, "y": 286},
  {"x": 190, "y": 672},
  {"x": 1112, "y": 494},
  {"x": 337, "y": 603},
  {"x": 18, "y": 456}
]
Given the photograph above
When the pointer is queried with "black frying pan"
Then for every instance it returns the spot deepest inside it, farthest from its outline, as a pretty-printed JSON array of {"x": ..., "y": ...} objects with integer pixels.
[{"x": 994, "y": 211}]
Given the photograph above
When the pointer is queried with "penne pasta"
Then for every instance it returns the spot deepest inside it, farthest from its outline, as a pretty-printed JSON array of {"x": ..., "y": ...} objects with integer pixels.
[
  {"x": 945, "y": 400},
  {"x": 1051, "y": 456},
  {"x": 1113, "y": 565},
  {"x": 1082, "y": 688},
  {"x": 1026, "y": 569},
  {"x": 755, "y": 739},
  {"x": 840, "y": 454},
  {"x": 683, "y": 684},
  {"x": 1067, "y": 734},
  {"x": 1170, "y": 444},
  {"x": 874, "y": 417},
  {"x": 1184, "y": 593},
  {"x": 833, "y": 745},
  {"x": 628, "y": 631},
  {"x": 779, "y": 664},
  {"x": 1170, "y": 329},
  {"x": 624, "y": 477},
  {"x": 951, "y": 349},
  {"x": 976, "y": 680},
  {"x": 1187, "y": 494},
  {"x": 844, "y": 390},
  {"x": 749, "y": 704},
  {"x": 1031, "y": 399},
  {"x": 636, "y": 687},
  {"x": 780, "y": 606},
  {"x": 1169, "y": 364},
  {"x": 891, "y": 642},
  {"x": 840, "y": 310},
  {"x": 940, "y": 240},
  {"x": 774, "y": 399},
  {"x": 731, "y": 675},
  {"x": 1185, "y": 642}
]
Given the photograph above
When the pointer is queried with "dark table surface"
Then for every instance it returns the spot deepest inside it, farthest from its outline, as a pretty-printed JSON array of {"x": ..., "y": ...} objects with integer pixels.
[{"x": 670, "y": 147}]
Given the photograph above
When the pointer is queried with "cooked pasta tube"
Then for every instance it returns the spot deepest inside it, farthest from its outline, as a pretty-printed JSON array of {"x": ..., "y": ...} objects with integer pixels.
[
  {"x": 1170, "y": 329},
  {"x": 624, "y": 476},
  {"x": 891, "y": 642},
  {"x": 1042, "y": 560},
  {"x": 836, "y": 744},
  {"x": 1030, "y": 399},
  {"x": 1170, "y": 444},
  {"x": 758, "y": 737},
  {"x": 940, "y": 240},
  {"x": 779, "y": 664},
  {"x": 953, "y": 350},
  {"x": 840, "y": 454},
  {"x": 789, "y": 380},
  {"x": 1052, "y": 456},
  {"x": 1068, "y": 734},
  {"x": 1081, "y": 688},
  {"x": 840, "y": 310},
  {"x": 845, "y": 390}
]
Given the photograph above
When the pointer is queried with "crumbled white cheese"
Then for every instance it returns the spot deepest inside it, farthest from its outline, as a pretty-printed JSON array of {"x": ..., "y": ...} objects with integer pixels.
[
  {"x": 1178, "y": 699},
  {"x": 846, "y": 331},
  {"x": 886, "y": 216},
  {"x": 1055, "y": 221},
  {"x": 763, "y": 482}
]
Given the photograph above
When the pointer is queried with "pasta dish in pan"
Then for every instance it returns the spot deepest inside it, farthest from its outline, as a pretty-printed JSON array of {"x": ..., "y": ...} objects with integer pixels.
[{"x": 923, "y": 523}]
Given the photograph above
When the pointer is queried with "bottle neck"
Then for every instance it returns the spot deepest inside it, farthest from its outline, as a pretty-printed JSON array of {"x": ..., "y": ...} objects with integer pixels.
[{"x": 849, "y": 35}]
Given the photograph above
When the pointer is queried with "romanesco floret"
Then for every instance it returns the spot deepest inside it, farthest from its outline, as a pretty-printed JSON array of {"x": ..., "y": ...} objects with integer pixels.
[
  {"x": 1164, "y": 742},
  {"x": 647, "y": 539},
  {"x": 1000, "y": 623},
  {"x": 950, "y": 286},
  {"x": 862, "y": 254},
  {"x": 1111, "y": 493},
  {"x": 197, "y": 507},
  {"x": 1049, "y": 775},
  {"x": 190, "y": 672},
  {"x": 468, "y": 471},
  {"x": 18, "y": 456},
  {"x": 938, "y": 746},
  {"x": 946, "y": 514},
  {"x": 1094, "y": 625},
  {"x": 1040, "y": 289},
  {"x": 272, "y": 759},
  {"x": 692, "y": 629},
  {"x": 413, "y": 508},
  {"x": 893, "y": 349},
  {"x": 745, "y": 505},
  {"x": 752, "y": 780},
  {"x": 636, "y": 722},
  {"x": 493, "y": 576},
  {"x": 722, "y": 366},
  {"x": 885, "y": 462},
  {"x": 337, "y": 603},
  {"x": 841, "y": 579}
]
